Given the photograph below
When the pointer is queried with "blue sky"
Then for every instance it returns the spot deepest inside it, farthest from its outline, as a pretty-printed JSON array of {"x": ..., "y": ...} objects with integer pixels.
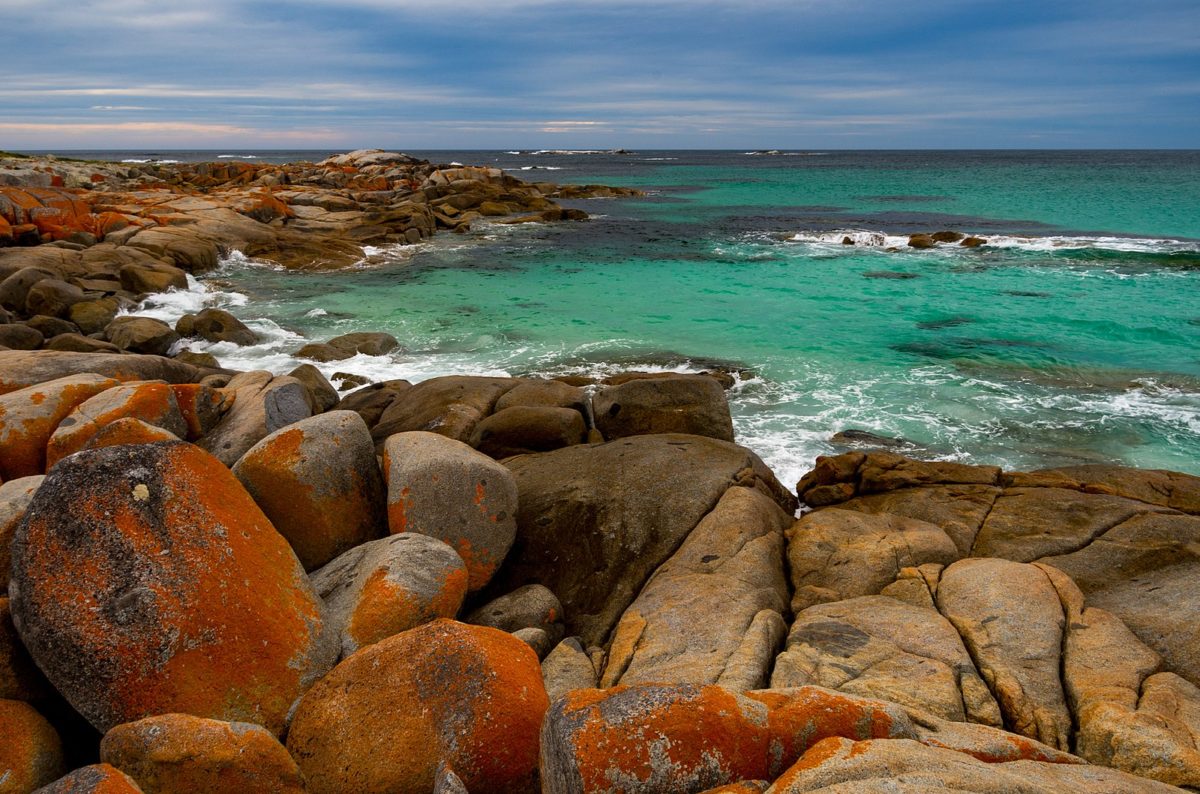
[{"x": 595, "y": 73}]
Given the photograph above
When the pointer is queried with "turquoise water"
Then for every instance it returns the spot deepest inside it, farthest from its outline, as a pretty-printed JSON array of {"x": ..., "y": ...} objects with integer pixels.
[{"x": 1073, "y": 336}]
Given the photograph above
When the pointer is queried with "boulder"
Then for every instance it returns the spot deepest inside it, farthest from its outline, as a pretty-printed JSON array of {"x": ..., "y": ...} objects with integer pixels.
[
  {"x": 442, "y": 488},
  {"x": 318, "y": 483},
  {"x": 902, "y": 765},
  {"x": 451, "y": 406},
  {"x": 595, "y": 521},
  {"x": 179, "y": 754},
  {"x": 152, "y": 402},
  {"x": 688, "y": 738},
  {"x": 1011, "y": 621},
  {"x": 693, "y": 404},
  {"x": 567, "y": 668},
  {"x": 350, "y": 345},
  {"x": 202, "y": 407},
  {"x": 713, "y": 612},
  {"x": 28, "y": 418},
  {"x": 77, "y": 343},
  {"x": 18, "y": 336},
  {"x": 216, "y": 325},
  {"x": 544, "y": 394},
  {"x": 958, "y": 509},
  {"x": 148, "y": 276},
  {"x": 466, "y": 698},
  {"x": 371, "y": 401},
  {"x": 388, "y": 586},
  {"x": 878, "y": 647},
  {"x": 128, "y": 430},
  {"x": 146, "y": 581},
  {"x": 531, "y": 606},
  {"x": 15, "y": 496},
  {"x": 15, "y": 288},
  {"x": 31, "y": 754},
  {"x": 141, "y": 335},
  {"x": 93, "y": 316},
  {"x": 322, "y": 396},
  {"x": 262, "y": 404},
  {"x": 93, "y": 779},
  {"x": 52, "y": 297},
  {"x": 50, "y": 327},
  {"x": 522, "y": 429},
  {"x": 835, "y": 554},
  {"x": 19, "y": 369}
]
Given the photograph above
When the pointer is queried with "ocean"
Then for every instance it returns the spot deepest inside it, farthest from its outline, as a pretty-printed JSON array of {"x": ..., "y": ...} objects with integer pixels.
[{"x": 1072, "y": 336}]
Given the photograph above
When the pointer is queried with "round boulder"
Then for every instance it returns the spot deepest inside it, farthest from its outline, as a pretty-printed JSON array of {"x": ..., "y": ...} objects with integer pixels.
[
  {"x": 141, "y": 335},
  {"x": 387, "y": 586},
  {"x": 31, "y": 753},
  {"x": 146, "y": 581},
  {"x": 94, "y": 779},
  {"x": 441, "y": 487},
  {"x": 153, "y": 403},
  {"x": 216, "y": 325},
  {"x": 318, "y": 482},
  {"x": 28, "y": 417},
  {"x": 387, "y": 718},
  {"x": 179, "y": 753}
]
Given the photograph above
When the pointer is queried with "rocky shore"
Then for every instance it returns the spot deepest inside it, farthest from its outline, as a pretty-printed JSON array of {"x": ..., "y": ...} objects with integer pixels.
[{"x": 248, "y": 581}]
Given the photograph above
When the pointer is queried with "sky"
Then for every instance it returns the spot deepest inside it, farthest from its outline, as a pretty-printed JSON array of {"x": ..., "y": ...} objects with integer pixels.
[{"x": 657, "y": 74}]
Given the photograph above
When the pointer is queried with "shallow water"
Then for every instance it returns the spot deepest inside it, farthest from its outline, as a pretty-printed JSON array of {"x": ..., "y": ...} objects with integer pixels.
[{"x": 1071, "y": 337}]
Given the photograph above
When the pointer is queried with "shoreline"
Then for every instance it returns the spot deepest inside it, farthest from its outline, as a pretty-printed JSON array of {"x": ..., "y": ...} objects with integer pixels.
[{"x": 478, "y": 584}]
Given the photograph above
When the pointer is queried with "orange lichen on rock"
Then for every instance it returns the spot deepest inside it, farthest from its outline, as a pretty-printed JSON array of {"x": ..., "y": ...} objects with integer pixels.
[
  {"x": 318, "y": 482},
  {"x": 31, "y": 752},
  {"x": 129, "y": 431},
  {"x": 201, "y": 406},
  {"x": 28, "y": 417},
  {"x": 182, "y": 754},
  {"x": 683, "y": 737},
  {"x": 152, "y": 402},
  {"x": 94, "y": 779},
  {"x": 147, "y": 581},
  {"x": 388, "y": 717}
]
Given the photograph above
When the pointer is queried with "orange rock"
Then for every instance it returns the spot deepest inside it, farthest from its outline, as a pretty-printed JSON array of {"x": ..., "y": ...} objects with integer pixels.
[
  {"x": 15, "y": 496},
  {"x": 318, "y": 482},
  {"x": 202, "y": 407},
  {"x": 94, "y": 779},
  {"x": 129, "y": 431},
  {"x": 28, "y": 417},
  {"x": 685, "y": 737},
  {"x": 6, "y": 232},
  {"x": 182, "y": 754},
  {"x": 390, "y": 585},
  {"x": 146, "y": 581},
  {"x": 31, "y": 752},
  {"x": 389, "y": 716},
  {"x": 152, "y": 402},
  {"x": 109, "y": 222}
]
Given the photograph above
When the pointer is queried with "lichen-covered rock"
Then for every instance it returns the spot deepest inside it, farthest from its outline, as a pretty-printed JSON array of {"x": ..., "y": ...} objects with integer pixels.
[
  {"x": 713, "y": 612},
  {"x": 153, "y": 403},
  {"x": 835, "y": 554},
  {"x": 692, "y": 404},
  {"x": 442, "y": 488},
  {"x": 202, "y": 407},
  {"x": 93, "y": 779},
  {"x": 146, "y": 580},
  {"x": 318, "y": 482},
  {"x": 15, "y": 496},
  {"x": 595, "y": 521},
  {"x": 129, "y": 431},
  {"x": 31, "y": 753},
  {"x": 262, "y": 404},
  {"x": 661, "y": 739},
  {"x": 28, "y": 418},
  {"x": 182, "y": 754},
  {"x": 387, "y": 586},
  {"x": 387, "y": 718}
]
